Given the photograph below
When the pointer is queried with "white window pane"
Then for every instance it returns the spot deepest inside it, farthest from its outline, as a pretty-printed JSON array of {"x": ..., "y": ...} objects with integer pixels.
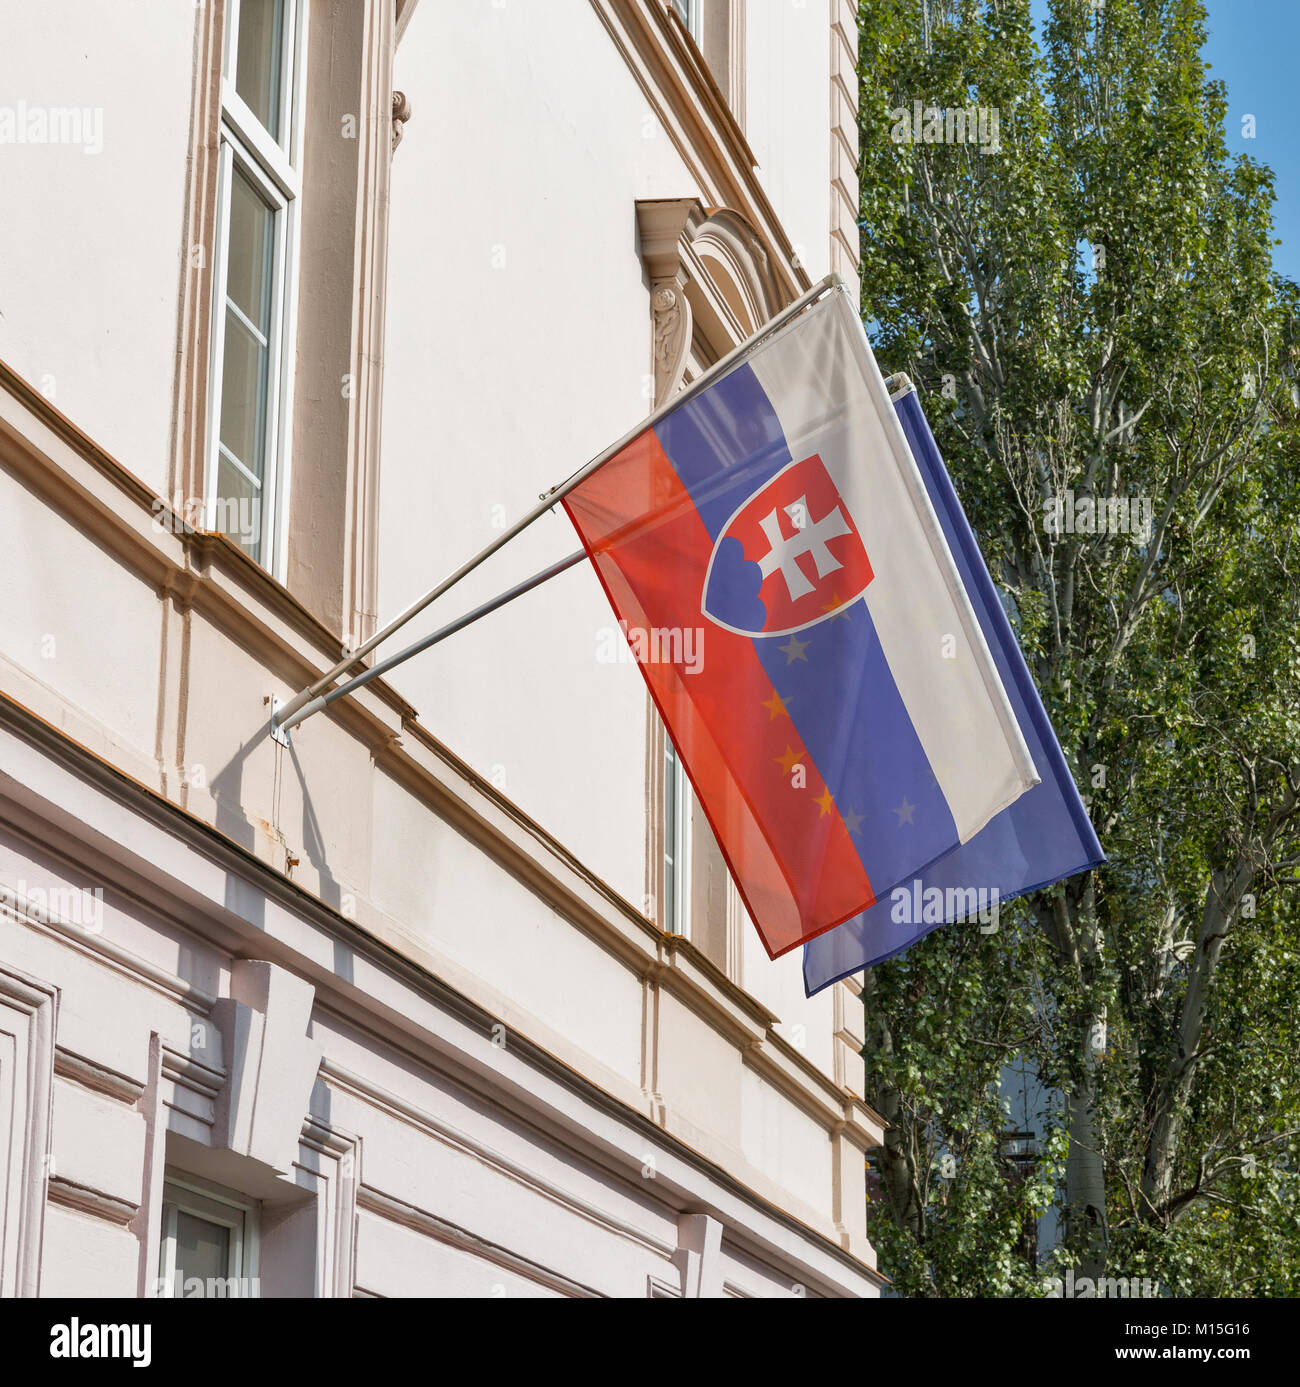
[
  {"x": 248, "y": 261},
  {"x": 202, "y": 1249},
  {"x": 675, "y": 915},
  {"x": 669, "y": 912},
  {"x": 238, "y": 507},
  {"x": 259, "y": 59},
  {"x": 243, "y": 394}
]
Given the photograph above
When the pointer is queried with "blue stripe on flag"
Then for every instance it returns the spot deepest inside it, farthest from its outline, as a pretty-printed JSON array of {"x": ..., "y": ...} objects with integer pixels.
[
  {"x": 1044, "y": 836},
  {"x": 845, "y": 707}
]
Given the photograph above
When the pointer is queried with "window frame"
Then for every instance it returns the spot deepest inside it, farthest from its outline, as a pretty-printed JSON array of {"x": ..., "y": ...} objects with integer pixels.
[
  {"x": 273, "y": 167},
  {"x": 691, "y": 19},
  {"x": 676, "y": 864},
  {"x": 183, "y": 1193}
]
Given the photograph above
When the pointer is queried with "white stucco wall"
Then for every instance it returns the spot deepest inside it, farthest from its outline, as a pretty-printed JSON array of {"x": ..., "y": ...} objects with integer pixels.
[
  {"x": 91, "y": 243},
  {"x": 518, "y": 348},
  {"x": 787, "y": 121}
]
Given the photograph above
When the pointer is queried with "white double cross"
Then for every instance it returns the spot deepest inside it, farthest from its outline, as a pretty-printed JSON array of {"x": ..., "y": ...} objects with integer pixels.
[{"x": 805, "y": 540}]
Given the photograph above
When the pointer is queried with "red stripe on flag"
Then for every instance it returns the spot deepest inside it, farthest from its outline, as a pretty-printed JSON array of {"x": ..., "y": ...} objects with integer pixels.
[{"x": 786, "y": 845}]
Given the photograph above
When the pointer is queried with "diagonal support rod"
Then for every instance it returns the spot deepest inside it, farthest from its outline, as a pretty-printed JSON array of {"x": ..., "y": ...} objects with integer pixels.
[
  {"x": 310, "y": 697},
  {"x": 284, "y": 724}
]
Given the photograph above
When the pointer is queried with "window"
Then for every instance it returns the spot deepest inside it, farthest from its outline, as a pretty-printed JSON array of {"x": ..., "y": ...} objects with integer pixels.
[
  {"x": 254, "y": 287},
  {"x": 688, "y": 11},
  {"x": 677, "y": 844},
  {"x": 208, "y": 1247}
]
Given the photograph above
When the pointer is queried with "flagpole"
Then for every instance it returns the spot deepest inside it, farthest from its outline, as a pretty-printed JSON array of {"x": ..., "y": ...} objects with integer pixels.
[
  {"x": 308, "y": 701},
  {"x": 284, "y": 724}
]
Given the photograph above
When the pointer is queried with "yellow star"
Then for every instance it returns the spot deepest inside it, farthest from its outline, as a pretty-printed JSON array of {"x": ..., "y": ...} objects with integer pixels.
[
  {"x": 833, "y": 604},
  {"x": 790, "y": 759},
  {"x": 776, "y": 706},
  {"x": 826, "y": 803}
]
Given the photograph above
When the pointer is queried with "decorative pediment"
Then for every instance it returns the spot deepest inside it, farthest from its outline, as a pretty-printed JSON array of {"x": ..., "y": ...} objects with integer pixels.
[{"x": 711, "y": 283}]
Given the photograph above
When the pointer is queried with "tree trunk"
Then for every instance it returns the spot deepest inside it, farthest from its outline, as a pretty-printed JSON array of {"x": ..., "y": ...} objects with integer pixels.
[
  {"x": 1085, "y": 1183},
  {"x": 1222, "y": 901},
  {"x": 897, "y": 1176}
]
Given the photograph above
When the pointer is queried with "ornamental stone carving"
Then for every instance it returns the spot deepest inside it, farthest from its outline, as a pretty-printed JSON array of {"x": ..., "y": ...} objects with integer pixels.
[{"x": 401, "y": 114}]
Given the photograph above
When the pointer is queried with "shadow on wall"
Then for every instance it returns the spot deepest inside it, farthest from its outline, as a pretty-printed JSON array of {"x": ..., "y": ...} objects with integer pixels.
[{"x": 244, "y": 898}]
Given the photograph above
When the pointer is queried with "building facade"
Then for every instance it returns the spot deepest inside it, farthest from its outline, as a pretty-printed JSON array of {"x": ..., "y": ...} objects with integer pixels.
[{"x": 302, "y": 302}]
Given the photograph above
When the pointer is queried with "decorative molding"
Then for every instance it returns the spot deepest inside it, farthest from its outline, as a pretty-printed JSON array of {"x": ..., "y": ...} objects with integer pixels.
[
  {"x": 672, "y": 335},
  {"x": 722, "y": 42},
  {"x": 848, "y": 1193},
  {"x": 411, "y": 1038},
  {"x": 846, "y": 255},
  {"x": 204, "y": 1081},
  {"x": 28, "y": 1025},
  {"x": 186, "y": 465},
  {"x": 695, "y": 115},
  {"x": 699, "y": 1256},
  {"x": 422, "y": 1221},
  {"x": 85, "y": 1200},
  {"x": 147, "y": 1225},
  {"x": 338, "y": 1167},
  {"x": 213, "y": 573},
  {"x": 401, "y": 114},
  {"x": 90, "y": 1074},
  {"x": 130, "y": 965},
  {"x": 404, "y": 10},
  {"x": 271, "y": 1063},
  {"x": 737, "y": 62},
  {"x": 431, "y": 1126},
  {"x": 712, "y": 283},
  {"x": 378, "y": 144}
]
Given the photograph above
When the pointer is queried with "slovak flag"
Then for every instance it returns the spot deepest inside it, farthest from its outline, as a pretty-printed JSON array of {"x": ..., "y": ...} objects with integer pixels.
[
  {"x": 841, "y": 718},
  {"x": 1044, "y": 836}
]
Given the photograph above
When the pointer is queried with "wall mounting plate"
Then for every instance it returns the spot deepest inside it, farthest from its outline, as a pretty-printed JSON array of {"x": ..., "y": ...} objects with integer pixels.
[{"x": 276, "y": 734}]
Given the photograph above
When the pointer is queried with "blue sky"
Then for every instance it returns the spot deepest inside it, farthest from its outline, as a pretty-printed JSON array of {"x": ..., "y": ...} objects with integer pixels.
[{"x": 1252, "y": 49}]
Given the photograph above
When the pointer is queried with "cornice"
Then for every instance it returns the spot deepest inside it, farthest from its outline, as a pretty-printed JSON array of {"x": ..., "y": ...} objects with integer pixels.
[
  {"x": 442, "y": 1230},
  {"x": 201, "y": 568},
  {"x": 682, "y": 93},
  {"x": 332, "y": 998}
]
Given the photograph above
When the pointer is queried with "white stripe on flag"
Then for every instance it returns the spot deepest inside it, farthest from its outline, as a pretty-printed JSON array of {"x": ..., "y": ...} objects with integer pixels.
[{"x": 928, "y": 631}]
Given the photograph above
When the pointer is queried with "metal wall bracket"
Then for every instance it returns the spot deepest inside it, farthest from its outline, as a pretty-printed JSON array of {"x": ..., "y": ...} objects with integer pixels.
[{"x": 277, "y": 733}]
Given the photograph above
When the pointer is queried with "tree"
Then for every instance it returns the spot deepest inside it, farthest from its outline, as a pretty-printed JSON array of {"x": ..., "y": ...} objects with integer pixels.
[{"x": 1088, "y": 305}]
